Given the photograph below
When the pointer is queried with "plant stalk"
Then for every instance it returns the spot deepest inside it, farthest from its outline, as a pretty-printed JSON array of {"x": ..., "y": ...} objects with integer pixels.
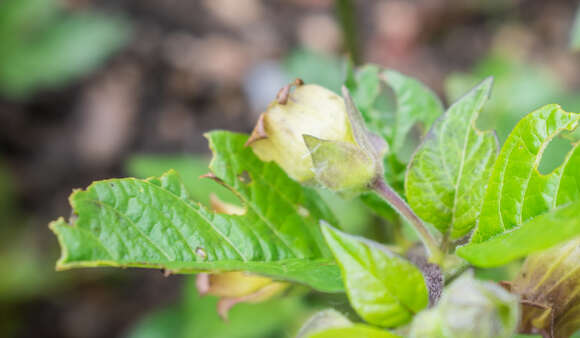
[
  {"x": 346, "y": 13},
  {"x": 395, "y": 201}
]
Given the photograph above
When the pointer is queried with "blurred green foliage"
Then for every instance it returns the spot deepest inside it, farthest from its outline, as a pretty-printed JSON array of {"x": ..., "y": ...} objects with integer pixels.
[
  {"x": 197, "y": 316},
  {"x": 518, "y": 89},
  {"x": 44, "y": 45},
  {"x": 28, "y": 274}
]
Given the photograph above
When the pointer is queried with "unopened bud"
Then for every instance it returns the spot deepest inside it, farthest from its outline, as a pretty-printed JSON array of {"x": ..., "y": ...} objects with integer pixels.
[
  {"x": 549, "y": 287},
  {"x": 237, "y": 287},
  {"x": 469, "y": 308},
  {"x": 318, "y": 137}
]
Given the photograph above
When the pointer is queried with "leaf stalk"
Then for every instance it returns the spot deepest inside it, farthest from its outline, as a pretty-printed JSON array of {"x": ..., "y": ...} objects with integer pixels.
[{"x": 396, "y": 202}]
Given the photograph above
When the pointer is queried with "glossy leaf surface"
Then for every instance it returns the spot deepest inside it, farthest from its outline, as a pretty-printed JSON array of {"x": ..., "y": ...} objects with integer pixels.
[
  {"x": 518, "y": 196},
  {"x": 383, "y": 288},
  {"x": 517, "y": 191},
  {"x": 153, "y": 223},
  {"x": 537, "y": 234}
]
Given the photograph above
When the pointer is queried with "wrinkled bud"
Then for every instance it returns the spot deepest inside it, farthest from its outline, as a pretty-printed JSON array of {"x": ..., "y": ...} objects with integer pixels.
[
  {"x": 237, "y": 287},
  {"x": 317, "y": 137},
  {"x": 549, "y": 287},
  {"x": 309, "y": 109},
  {"x": 469, "y": 308}
]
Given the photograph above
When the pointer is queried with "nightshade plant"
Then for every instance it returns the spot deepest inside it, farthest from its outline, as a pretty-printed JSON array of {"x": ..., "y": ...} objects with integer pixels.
[{"x": 471, "y": 204}]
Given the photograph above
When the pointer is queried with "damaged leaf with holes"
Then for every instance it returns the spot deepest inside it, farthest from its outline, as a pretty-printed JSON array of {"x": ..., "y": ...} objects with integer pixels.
[{"x": 523, "y": 210}]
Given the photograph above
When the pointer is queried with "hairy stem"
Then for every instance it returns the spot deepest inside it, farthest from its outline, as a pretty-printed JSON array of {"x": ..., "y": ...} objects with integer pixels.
[{"x": 391, "y": 196}]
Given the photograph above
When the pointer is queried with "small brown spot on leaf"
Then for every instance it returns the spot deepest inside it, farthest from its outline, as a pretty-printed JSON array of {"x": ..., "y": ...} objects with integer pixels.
[{"x": 244, "y": 177}]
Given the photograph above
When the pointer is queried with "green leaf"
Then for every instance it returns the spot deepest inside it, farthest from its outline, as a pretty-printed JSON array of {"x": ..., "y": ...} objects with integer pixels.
[
  {"x": 517, "y": 193},
  {"x": 358, "y": 331},
  {"x": 154, "y": 224},
  {"x": 447, "y": 176},
  {"x": 383, "y": 288},
  {"x": 539, "y": 233}
]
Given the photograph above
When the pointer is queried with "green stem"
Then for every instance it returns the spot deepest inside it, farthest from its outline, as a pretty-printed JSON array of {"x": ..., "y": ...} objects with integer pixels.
[
  {"x": 391, "y": 196},
  {"x": 345, "y": 10}
]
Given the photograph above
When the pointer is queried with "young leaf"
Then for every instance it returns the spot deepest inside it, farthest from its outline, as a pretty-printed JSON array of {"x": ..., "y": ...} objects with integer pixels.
[
  {"x": 517, "y": 193},
  {"x": 383, "y": 288},
  {"x": 153, "y": 223},
  {"x": 447, "y": 175}
]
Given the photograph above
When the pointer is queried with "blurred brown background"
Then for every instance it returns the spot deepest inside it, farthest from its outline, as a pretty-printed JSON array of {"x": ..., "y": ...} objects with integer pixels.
[{"x": 168, "y": 71}]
